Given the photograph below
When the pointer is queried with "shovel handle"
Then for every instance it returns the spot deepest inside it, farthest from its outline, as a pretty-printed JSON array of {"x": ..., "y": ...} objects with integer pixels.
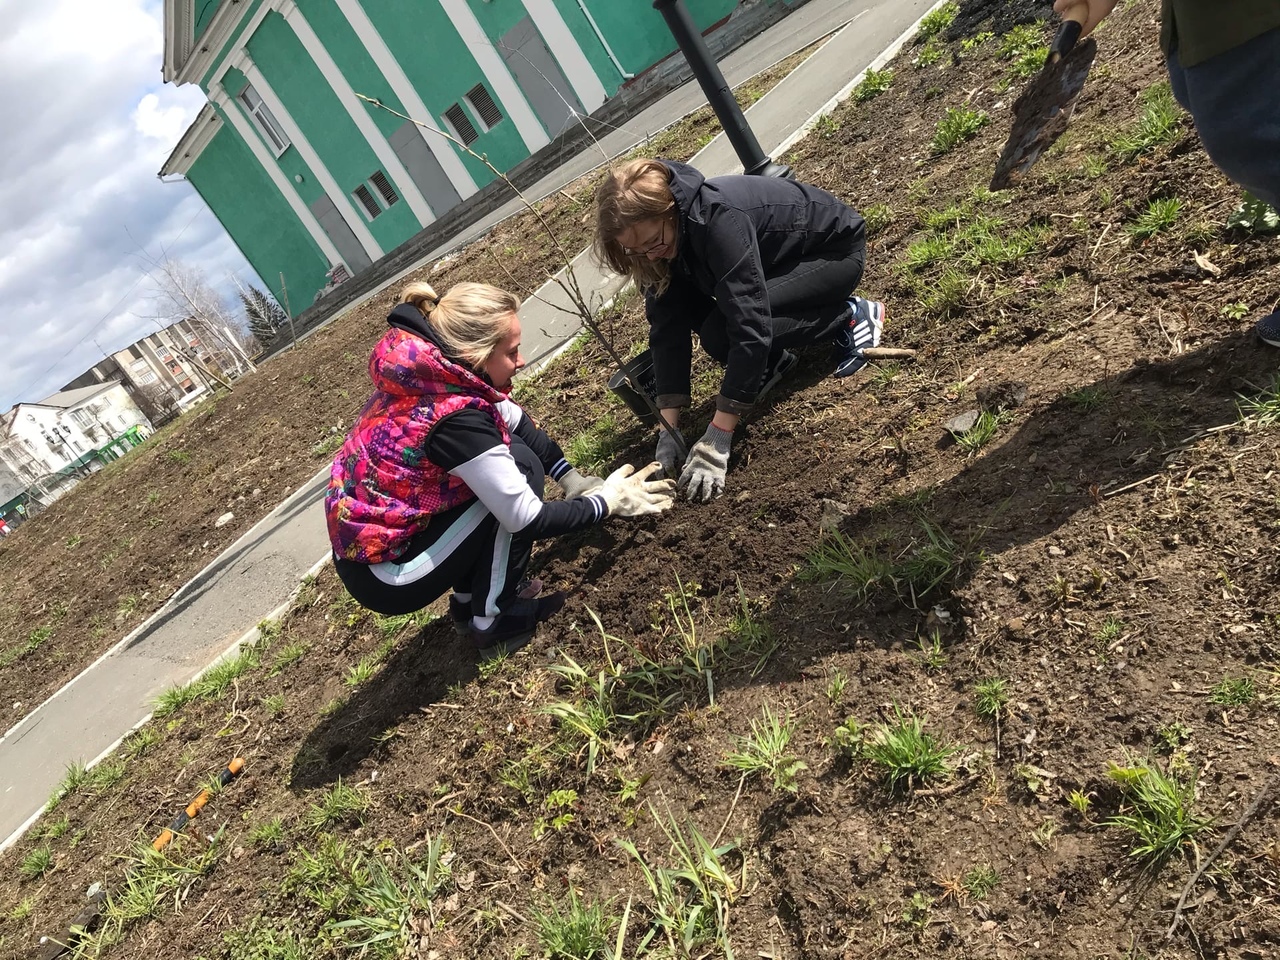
[{"x": 1069, "y": 32}]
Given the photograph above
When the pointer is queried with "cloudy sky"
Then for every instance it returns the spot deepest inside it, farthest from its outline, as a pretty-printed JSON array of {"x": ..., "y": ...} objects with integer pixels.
[{"x": 87, "y": 124}]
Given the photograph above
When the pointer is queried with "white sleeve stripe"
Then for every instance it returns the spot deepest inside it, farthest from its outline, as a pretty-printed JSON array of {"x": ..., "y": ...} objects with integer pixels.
[
  {"x": 601, "y": 507},
  {"x": 560, "y": 468},
  {"x": 496, "y": 480}
]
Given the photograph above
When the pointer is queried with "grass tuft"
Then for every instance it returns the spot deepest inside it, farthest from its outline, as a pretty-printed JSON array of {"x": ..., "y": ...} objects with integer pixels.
[
  {"x": 933, "y": 23},
  {"x": 1233, "y": 692},
  {"x": 1160, "y": 123},
  {"x": 1157, "y": 811},
  {"x": 764, "y": 751},
  {"x": 1159, "y": 216},
  {"x": 908, "y": 755},
  {"x": 955, "y": 128},
  {"x": 342, "y": 804},
  {"x": 579, "y": 932}
]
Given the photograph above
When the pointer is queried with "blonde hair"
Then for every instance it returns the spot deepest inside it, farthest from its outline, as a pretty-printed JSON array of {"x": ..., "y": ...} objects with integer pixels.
[
  {"x": 636, "y": 191},
  {"x": 470, "y": 320}
]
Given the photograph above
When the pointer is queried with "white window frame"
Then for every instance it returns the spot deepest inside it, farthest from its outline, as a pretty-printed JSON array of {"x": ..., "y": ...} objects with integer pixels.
[{"x": 273, "y": 136}]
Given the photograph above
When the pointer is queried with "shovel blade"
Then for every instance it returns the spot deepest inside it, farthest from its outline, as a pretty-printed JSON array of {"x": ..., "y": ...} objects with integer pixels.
[{"x": 1041, "y": 113}]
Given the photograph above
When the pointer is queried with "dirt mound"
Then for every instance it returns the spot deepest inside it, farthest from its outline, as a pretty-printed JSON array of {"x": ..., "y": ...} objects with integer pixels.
[{"x": 996, "y": 16}]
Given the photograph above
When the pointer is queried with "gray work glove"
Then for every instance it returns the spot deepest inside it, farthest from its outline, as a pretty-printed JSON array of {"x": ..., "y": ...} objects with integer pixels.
[
  {"x": 632, "y": 494},
  {"x": 703, "y": 475},
  {"x": 668, "y": 454},
  {"x": 575, "y": 484}
]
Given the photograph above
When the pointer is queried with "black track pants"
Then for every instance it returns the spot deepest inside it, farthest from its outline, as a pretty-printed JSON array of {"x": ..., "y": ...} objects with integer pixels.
[{"x": 463, "y": 549}]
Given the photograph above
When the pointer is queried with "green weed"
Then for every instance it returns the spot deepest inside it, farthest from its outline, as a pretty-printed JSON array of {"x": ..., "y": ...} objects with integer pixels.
[
  {"x": 1088, "y": 398},
  {"x": 1262, "y": 409},
  {"x": 955, "y": 128},
  {"x": 75, "y": 777},
  {"x": 981, "y": 879},
  {"x": 1159, "y": 216},
  {"x": 765, "y": 751},
  {"x": 1233, "y": 692},
  {"x": 287, "y": 656},
  {"x": 907, "y": 754},
  {"x": 273, "y": 704},
  {"x": 691, "y": 898},
  {"x": 36, "y": 863},
  {"x": 269, "y": 834},
  {"x": 1159, "y": 124},
  {"x": 1254, "y": 216},
  {"x": 362, "y": 672},
  {"x": 1157, "y": 811},
  {"x": 932, "y": 24},
  {"x": 991, "y": 698},
  {"x": 579, "y": 932},
  {"x": 877, "y": 216},
  {"x": 981, "y": 433},
  {"x": 874, "y": 83},
  {"x": 1235, "y": 311},
  {"x": 341, "y": 804}
]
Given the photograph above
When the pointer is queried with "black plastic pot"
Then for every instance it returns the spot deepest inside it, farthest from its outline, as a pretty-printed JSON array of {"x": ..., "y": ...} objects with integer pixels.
[{"x": 639, "y": 370}]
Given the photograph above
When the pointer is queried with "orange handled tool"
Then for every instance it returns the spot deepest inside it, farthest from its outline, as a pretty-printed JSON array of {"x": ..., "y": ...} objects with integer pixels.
[{"x": 229, "y": 773}]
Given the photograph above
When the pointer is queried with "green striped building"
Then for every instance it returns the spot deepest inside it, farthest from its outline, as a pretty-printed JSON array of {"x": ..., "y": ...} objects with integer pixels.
[{"x": 305, "y": 176}]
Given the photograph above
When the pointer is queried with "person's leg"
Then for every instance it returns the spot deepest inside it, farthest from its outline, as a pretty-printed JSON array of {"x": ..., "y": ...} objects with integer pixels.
[
  {"x": 501, "y": 563},
  {"x": 505, "y": 616},
  {"x": 809, "y": 298},
  {"x": 1232, "y": 99},
  {"x": 439, "y": 557}
]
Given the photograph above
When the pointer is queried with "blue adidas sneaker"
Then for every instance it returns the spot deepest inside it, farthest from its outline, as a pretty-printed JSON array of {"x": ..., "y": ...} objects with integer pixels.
[{"x": 863, "y": 331}]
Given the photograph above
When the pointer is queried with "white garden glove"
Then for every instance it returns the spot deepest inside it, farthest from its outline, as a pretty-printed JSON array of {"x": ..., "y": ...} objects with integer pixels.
[
  {"x": 703, "y": 475},
  {"x": 632, "y": 494},
  {"x": 575, "y": 484},
  {"x": 668, "y": 454}
]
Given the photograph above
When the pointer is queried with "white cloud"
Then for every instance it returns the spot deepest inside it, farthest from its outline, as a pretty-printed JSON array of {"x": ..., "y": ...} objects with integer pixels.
[{"x": 88, "y": 124}]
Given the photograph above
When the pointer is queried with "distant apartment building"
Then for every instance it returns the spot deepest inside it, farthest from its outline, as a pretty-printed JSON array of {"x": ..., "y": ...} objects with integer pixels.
[
  {"x": 48, "y": 446},
  {"x": 167, "y": 371}
]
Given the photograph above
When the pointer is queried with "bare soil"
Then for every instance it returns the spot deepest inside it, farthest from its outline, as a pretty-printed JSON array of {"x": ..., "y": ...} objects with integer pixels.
[{"x": 1109, "y": 553}]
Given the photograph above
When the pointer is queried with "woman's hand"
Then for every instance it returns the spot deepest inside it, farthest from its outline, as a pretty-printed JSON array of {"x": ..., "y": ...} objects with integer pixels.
[
  {"x": 575, "y": 484},
  {"x": 703, "y": 476},
  {"x": 631, "y": 494},
  {"x": 1098, "y": 11}
]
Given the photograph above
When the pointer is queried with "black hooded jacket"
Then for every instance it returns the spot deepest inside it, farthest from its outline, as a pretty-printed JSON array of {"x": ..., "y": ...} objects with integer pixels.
[{"x": 732, "y": 231}]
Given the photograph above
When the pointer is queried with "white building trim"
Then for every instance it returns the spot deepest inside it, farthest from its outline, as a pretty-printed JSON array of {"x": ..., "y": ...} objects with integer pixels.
[
  {"x": 242, "y": 42},
  {"x": 405, "y": 92},
  {"x": 198, "y": 136},
  {"x": 341, "y": 199},
  {"x": 356, "y": 110},
  {"x": 196, "y": 59},
  {"x": 496, "y": 73},
  {"x": 268, "y": 163},
  {"x": 560, "y": 40}
]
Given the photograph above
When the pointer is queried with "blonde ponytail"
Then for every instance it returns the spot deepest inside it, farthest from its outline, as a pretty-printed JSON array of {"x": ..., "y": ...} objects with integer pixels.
[{"x": 421, "y": 295}]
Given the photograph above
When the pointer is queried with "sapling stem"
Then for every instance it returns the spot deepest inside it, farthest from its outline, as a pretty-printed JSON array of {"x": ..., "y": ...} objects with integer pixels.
[{"x": 568, "y": 283}]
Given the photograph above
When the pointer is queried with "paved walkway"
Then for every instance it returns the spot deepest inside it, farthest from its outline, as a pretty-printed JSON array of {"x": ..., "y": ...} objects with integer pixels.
[{"x": 255, "y": 575}]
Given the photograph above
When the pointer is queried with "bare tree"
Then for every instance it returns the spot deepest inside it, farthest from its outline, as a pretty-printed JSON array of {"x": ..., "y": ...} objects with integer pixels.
[
  {"x": 156, "y": 403},
  {"x": 183, "y": 292}
]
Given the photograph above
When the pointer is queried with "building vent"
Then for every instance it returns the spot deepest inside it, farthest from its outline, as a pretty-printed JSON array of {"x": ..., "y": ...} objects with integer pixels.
[
  {"x": 371, "y": 206},
  {"x": 461, "y": 124},
  {"x": 482, "y": 103},
  {"x": 383, "y": 186}
]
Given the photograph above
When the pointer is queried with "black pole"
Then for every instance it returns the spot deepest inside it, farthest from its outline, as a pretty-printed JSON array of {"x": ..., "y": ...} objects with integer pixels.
[{"x": 714, "y": 85}]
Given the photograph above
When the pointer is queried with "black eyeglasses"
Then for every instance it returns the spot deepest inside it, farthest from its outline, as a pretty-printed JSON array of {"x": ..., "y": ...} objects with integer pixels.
[{"x": 649, "y": 248}]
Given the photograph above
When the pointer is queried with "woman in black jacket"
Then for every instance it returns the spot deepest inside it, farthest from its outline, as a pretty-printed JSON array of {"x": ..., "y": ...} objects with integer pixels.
[{"x": 753, "y": 265}]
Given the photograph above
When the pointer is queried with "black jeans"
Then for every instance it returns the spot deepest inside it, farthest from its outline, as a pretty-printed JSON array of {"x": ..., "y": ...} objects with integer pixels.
[
  {"x": 463, "y": 548},
  {"x": 808, "y": 300}
]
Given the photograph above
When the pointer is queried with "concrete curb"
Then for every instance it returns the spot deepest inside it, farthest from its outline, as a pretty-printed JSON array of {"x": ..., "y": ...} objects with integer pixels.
[
  {"x": 249, "y": 638},
  {"x": 878, "y": 63}
]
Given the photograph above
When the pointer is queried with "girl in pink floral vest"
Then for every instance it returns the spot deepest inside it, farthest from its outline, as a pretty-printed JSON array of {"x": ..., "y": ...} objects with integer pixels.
[{"x": 439, "y": 483}]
